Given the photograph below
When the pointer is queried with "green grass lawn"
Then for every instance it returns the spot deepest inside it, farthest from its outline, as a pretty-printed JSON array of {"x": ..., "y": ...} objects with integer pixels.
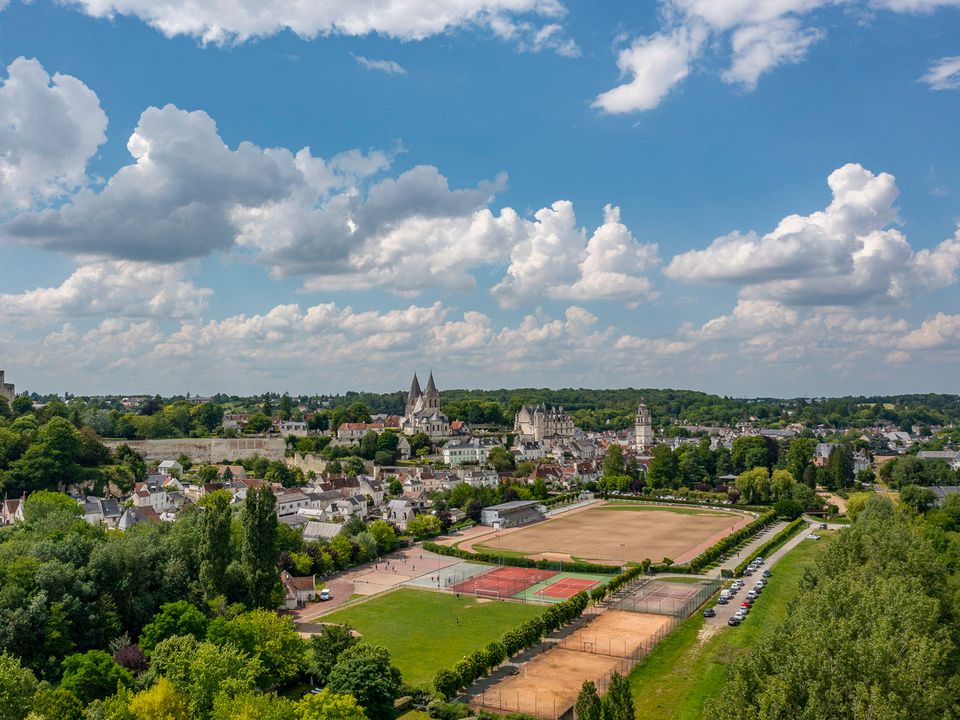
[
  {"x": 682, "y": 672},
  {"x": 420, "y": 628}
]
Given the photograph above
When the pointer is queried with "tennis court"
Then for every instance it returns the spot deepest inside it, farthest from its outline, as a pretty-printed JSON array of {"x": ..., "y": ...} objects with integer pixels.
[
  {"x": 503, "y": 582},
  {"x": 566, "y": 587}
]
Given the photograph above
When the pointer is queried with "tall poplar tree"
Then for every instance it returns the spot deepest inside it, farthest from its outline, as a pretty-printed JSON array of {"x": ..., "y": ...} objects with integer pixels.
[
  {"x": 259, "y": 550},
  {"x": 215, "y": 549}
]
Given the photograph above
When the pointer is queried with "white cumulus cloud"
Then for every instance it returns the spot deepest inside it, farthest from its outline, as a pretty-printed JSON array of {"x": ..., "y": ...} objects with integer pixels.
[
  {"x": 760, "y": 35},
  {"x": 120, "y": 287},
  {"x": 845, "y": 254},
  {"x": 653, "y": 66},
  {"x": 552, "y": 257},
  {"x": 49, "y": 128},
  {"x": 223, "y": 21}
]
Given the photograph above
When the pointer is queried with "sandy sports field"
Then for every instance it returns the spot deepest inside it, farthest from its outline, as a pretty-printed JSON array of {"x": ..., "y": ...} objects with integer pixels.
[
  {"x": 548, "y": 685},
  {"x": 616, "y": 533}
]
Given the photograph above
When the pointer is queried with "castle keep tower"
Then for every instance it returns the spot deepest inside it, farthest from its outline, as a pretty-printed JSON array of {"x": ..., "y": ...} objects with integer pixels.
[{"x": 6, "y": 389}]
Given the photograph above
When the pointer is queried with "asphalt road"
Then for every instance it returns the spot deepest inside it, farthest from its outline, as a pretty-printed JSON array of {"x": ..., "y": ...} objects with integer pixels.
[{"x": 725, "y": 612}]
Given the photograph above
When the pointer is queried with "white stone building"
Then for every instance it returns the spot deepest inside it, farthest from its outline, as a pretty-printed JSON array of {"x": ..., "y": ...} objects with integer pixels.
[{"x": 539, "y": 423}]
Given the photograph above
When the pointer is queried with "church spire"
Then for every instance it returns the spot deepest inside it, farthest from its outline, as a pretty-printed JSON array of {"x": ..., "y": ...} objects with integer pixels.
[
  {"x": 415, "y": 390},
  {"x": 431, "y": 387}
]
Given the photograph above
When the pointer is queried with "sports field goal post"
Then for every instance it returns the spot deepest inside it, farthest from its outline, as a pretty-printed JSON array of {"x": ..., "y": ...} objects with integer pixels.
[{"x": 480, "y": 592}]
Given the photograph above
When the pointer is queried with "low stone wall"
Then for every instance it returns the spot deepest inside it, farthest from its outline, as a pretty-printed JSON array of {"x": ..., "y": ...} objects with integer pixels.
[
  {"x": 307, "y": 462},
  {"x": 206, "y": 450}
]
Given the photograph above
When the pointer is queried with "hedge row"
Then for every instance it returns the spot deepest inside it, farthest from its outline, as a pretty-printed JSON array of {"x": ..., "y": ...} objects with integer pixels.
[
  {"x": 692, "y": 503},
  {"x": 520, "y": 561},
  {"x": 563, "y": 497},
  {"x": 731, "y": 541},
  {"x": 448, "y": 680},
  {"x": 772, "y": 544}
]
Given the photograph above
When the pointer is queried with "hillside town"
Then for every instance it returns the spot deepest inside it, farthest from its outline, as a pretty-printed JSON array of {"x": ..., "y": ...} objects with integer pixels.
[{"x": 432, "y": 455}]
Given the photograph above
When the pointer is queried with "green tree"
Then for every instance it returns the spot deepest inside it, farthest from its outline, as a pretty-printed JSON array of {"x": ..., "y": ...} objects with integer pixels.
[
  {"x": 664, "y": 468},
  {"x": 501, "y": 459},
  {"x": 840, "y": 467},
  {"x": 365, "y": 671},
  {"x": 588, "y": 704},
  {"x": 800, "y": 455},
  {"x": 253, "y": 706},
  {"x": 326, "y": 648},
  {"x": 258, "y": 552},
  {"x": 754, "y": 484},
  {"x": 267, "y": 637},
  {"x": 93, "y": 675},
  {"x": 750, "y": 451},
  {"x": 613, "y": 462},
  {"x": 176, "y": 618},
  {"x": 202, "y": 671},
  {"x": 424, "y": 526},
  {"x": 215, "y": 551},
  {"x": 419, "y": 441},
  {"x": 328, "y": 705},
  {"x": 56, "y": 704},
  {"x": 920, "y": 499},
  {"x": 618, "y": 701},
  {"x": 258, "y": 423},
  {"x": 384, "y": 534},
  {"x": 781, "y": 484},
  {"x": 17, "y": 688}
]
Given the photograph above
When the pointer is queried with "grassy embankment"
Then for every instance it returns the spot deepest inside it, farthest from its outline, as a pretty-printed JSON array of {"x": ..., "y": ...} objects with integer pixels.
[{"x": 687, "y": 667}]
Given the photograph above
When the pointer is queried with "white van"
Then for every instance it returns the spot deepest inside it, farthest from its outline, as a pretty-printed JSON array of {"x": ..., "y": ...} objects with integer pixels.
[
  {"x": 725, "y": 594},
  {"x": 325, "y": 594}
]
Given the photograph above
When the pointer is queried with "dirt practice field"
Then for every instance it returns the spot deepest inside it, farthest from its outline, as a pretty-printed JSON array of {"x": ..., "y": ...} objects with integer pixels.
[
  {"x": 618, "y": 533},
  {"x": 548, "y": 685}
]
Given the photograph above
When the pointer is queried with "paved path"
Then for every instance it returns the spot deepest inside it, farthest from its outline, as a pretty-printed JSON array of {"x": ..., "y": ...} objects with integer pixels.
[
  {"x": 759, "y": 539},
  {"x": 724, "y": 612}
]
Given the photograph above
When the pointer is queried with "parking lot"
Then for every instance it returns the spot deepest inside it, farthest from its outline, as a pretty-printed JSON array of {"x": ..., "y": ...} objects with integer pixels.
[{"x": 725, "y": 612}]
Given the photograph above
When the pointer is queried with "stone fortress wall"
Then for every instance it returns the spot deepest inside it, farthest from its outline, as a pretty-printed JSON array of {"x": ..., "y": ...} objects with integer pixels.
[{"x": 206, "y": 450}]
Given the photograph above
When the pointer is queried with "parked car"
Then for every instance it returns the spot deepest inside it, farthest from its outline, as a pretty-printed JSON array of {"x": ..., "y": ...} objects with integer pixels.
[
  {"x": 709, "y": 612},
  {"x": 767, "y": 573},
  {"x": 325, "y": 594},
  {"x": 722, "y": 601},
  {"x": 742, "y": 612},
  {"x": 748, "y": 571},
  {"x": 811, "y": 536},
  {"x": 752, "y": 595},
  {"x": 746, "y": 603},
  {"x": 734, "y": 620},
  {"x": 823, "y": 526}
]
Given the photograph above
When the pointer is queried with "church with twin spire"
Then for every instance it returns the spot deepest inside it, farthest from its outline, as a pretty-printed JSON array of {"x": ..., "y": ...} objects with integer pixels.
[{"x": 422, "y": 411}]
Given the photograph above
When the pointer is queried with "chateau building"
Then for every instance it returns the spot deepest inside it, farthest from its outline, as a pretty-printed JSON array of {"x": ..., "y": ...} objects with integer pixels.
[
  {"x": 540, "y": 423},
  {"x": 422, "y": 412},
  {"x": 6, "y": 389},
  {"x": 643, "y": 429}
]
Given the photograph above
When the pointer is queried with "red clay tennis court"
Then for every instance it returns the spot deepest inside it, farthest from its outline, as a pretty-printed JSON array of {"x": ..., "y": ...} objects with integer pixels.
[
  {"x": 503, "y": 582},
  {"x": 566, "y": 587}
]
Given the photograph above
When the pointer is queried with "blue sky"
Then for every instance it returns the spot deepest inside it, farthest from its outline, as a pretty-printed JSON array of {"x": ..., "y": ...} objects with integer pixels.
[{"x": 201, "y": 198}]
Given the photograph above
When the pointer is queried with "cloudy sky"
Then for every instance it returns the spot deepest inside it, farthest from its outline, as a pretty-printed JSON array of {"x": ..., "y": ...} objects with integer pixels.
[{"x": 750, "y": 197}]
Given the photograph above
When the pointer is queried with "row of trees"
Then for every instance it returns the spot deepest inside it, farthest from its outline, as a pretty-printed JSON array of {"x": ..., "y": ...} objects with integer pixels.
[{"x": 448, "y": 680}]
